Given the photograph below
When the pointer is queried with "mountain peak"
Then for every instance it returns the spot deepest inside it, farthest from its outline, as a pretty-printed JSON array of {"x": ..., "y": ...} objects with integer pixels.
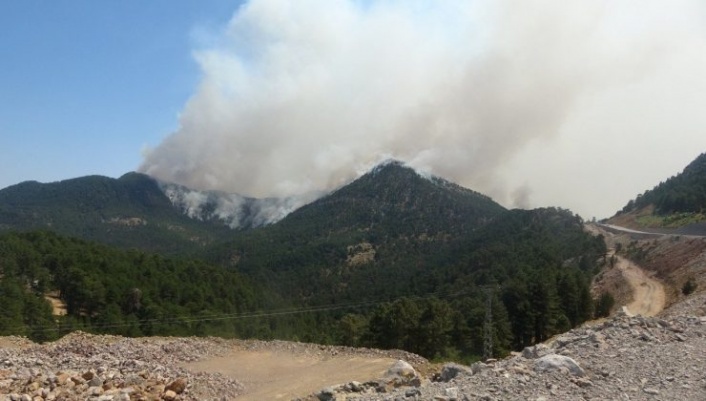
[
  {"x": 396, "y": 195},
  {"x": 389, "y": 164}
]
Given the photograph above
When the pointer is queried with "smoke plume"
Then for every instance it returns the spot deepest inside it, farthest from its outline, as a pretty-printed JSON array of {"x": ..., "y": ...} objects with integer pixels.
[{"x": 304, "y": 96}]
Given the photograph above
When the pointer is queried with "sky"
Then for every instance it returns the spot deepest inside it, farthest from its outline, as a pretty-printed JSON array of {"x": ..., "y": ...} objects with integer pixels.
[{"x": 580, "y": 104}]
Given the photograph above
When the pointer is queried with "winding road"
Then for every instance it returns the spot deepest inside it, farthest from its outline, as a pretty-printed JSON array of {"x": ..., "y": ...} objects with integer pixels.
[{"x": 648, "y": 293}]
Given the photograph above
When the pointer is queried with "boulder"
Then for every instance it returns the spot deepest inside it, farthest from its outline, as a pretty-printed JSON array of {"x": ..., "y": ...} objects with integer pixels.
[
  {"x": 478, "y": 367},
  {"x": 553, "y": 362},
  {"x": 452, "y": 370},
  {"x": 402, "y": 373},
  {"x": 535, "y": 351},
  {"x": 326, "y": 394},
  {"x": 178, "y": 386}
]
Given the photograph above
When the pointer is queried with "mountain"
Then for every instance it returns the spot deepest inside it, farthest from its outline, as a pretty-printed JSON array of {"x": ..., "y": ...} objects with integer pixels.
[
  {"x": 131, "y": 212},
  {"x": 390, "y": 210},
  {"x": 395, "y": 259},
  {"x": 423, "y": 248},
  {"x": 137, "y": 211},
  {"x": 678, "y": 202},
  {"x": 395, "y": 199}
]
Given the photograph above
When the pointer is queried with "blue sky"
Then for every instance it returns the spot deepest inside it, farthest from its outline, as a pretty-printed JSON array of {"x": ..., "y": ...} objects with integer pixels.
[
  {"x": 87, "y": 84},
  {"x": 581, "y": 104}
]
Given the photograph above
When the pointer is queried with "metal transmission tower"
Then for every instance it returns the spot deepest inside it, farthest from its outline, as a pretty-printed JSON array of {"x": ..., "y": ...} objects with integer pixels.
[{"x": 488, "y": 324}]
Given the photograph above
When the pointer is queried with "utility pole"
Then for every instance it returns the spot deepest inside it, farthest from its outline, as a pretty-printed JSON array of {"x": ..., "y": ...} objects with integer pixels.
[{"x": 488, "y": 324}]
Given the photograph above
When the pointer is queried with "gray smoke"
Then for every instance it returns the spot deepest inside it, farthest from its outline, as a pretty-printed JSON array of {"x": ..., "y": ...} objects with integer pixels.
[
  {"x": 304, "y": 96},
  {"x": 233, "y": 210}
]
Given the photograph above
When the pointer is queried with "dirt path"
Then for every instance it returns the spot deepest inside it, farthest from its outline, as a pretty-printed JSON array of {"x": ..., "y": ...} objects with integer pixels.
[
  {"x": 648, "y": 293},
  {"x": 280, "y": 375}
]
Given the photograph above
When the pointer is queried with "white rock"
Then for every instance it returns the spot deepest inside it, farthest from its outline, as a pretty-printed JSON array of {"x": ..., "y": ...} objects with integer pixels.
[{"x": 552, "y": 362}]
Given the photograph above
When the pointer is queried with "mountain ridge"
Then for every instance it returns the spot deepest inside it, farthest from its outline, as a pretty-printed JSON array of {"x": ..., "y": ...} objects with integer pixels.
[
  {"x": 678, "y": 203},
  {"x": 127, "y": 210}
]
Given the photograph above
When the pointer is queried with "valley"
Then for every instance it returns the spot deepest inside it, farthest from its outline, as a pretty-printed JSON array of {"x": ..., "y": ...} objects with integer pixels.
[{"x": 392, "y": 261}]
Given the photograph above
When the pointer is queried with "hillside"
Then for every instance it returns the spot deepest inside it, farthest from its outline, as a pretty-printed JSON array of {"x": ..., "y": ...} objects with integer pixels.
[
  {"x": 130, "y": 212},
  {"x": 108, "y": 290},
  {"x": 675, "y": 203},
  {"x": 424, "y": 248}
]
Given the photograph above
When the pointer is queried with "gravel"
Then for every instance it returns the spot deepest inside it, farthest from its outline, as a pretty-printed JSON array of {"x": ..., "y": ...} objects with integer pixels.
[{"x": 622, "y": 358}]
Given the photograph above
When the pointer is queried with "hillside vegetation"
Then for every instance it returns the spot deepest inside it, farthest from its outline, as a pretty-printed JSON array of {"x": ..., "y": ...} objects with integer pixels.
[
  {"x": 113, "y": 291},
  {"x": 129, "y": 212},
  {"x": 678, "y": 201}
]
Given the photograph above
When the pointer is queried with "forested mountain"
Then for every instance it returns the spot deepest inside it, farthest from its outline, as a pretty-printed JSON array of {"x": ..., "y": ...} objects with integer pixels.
[
  {"x": 129, "y": 212},
  {"x": 392, "y": 260},
  {"x": 422, "y": 250},
  {"x": 115, "y": 291},
  {"x": 677, "y": 201}
]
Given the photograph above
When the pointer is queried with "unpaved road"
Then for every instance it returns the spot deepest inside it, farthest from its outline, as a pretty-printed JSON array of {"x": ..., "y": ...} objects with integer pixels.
[
  {"x": 280, "y": 375},
  {"x": 649, "y": 297},
  {"x": 648, "y": 293}
]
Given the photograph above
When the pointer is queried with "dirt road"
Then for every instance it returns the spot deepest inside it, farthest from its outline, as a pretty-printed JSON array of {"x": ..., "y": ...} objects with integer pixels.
[
  {"x": 281, "y": 375},
  {"x": 648, "y": 293}
]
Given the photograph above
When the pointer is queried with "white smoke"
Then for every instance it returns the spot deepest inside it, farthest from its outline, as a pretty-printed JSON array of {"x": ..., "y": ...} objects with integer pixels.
[
  {"x": 233, "y": 210},
  {"x": 302, "y": 96}
]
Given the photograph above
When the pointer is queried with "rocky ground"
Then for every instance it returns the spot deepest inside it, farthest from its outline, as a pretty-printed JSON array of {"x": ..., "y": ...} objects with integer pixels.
[
  {"x": 82, "y": 366},
  {"x": 622, "y": 358},
  {"x": 103, "y": 368}
]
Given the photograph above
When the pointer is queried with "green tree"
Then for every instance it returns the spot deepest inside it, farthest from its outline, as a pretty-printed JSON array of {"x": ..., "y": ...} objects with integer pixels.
[{"x": 352, "y": 328}]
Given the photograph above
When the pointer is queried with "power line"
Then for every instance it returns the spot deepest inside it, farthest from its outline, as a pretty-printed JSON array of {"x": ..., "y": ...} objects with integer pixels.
[
  {"x": 488, "y": 331},
  {"x": 246, "y": 315}
]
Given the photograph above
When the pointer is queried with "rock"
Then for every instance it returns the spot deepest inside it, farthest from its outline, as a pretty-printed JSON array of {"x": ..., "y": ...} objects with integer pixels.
[
  {"x": 452, "y": 370},
  {"x": 478, "y": 367},
  {"x": 326, "y": 394},
  {"x": 451, "y": 392},
  {"x": 402, "y": 373},
  {"x": 535, "y": 351},
  {"x": 355, "y": 386},
  {"x": 554, "y": 362},
  {"x": 178, "y": 386},
  {"x": 134, "y": 380},
  {"x": 169, "y": 395},
  {"x": 650, "y": 390},
  {"x": 412, "y": 392},
  {"x": 95, "y": 381}
]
